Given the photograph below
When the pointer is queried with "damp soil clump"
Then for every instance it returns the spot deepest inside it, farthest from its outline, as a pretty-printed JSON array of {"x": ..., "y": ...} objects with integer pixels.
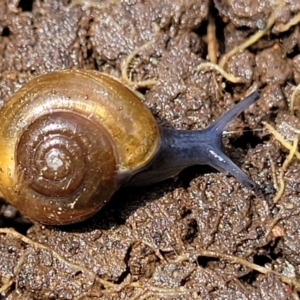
[{"x": 201, "y": 235}]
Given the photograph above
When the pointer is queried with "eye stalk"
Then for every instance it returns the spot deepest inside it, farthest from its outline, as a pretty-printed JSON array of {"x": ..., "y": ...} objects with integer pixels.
[{"x": 180, "y": 149}]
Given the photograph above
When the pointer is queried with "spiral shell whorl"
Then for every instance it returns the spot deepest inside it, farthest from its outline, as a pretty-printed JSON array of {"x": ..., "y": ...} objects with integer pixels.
[{"x": 64, "y": 161}]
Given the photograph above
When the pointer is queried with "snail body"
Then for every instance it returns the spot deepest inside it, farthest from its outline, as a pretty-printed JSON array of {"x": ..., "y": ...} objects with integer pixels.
[{"x": 70, "y": 139}]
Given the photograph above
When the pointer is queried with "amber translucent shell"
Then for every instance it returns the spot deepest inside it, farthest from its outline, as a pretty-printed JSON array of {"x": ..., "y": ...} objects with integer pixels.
[{"x": 66, "y": 138}]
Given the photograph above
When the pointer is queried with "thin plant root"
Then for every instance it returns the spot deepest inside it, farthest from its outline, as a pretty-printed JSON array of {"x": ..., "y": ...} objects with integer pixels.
[
  {"x": 234, "y": 259},
  {"x": 285, "y": 27},
  {"x": 295, "y": 295},
  {"x": 293, "y": 151},
  {"x": 273, "y": 171},
  {"x": 284, "y": 168},
  {"x": 295, "y": 130},
  {"x": 55, "y": 254},
  {"x": 256, "y": 36},
  {"x": 108, "y": 286},
  {"x": 212, "y": 43},
  {"x": 280, "y": 139},
  {"x": 227, "y": 76},
  {"x": 153, "y": 293},
  {"x": 238, "y": 260},
  {"x": 10, "y": 282},
  {"x": 211, "y": 47},
  {"x": 250, "y": 41},
  {"x": 94, "y": 3},
  {"x": 126, "y": 66},
  {"x": 273, "y": 223},
  {"x": 293, "y": 98},
  {"x": 146, "y": 288},
  {"x": 6, "y": 285}
]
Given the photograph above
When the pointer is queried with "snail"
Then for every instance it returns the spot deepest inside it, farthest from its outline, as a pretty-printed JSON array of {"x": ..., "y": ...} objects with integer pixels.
[{"x": 71, "y": 138}]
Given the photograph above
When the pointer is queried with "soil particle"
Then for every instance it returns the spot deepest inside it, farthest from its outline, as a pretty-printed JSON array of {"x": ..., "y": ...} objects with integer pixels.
[
  {"x": 244, "y": 13},
  {"x": 241, "y": 65},
  {"x": 274, "y": 69}
]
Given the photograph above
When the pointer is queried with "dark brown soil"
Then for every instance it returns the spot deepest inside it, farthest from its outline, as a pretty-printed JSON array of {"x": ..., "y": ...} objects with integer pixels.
[{"x": 201, "y": 235}]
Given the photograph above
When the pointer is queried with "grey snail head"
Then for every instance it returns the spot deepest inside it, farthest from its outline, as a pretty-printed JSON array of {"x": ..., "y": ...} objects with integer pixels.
[{"x": 70, "y": 139}]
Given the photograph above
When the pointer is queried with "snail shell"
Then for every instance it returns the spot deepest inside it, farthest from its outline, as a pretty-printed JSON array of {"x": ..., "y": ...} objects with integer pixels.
[{"x": 67, "y": 139}]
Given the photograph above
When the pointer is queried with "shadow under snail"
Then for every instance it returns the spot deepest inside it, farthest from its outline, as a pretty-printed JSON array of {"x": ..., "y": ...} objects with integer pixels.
[{"x": 70, "y": 139}]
